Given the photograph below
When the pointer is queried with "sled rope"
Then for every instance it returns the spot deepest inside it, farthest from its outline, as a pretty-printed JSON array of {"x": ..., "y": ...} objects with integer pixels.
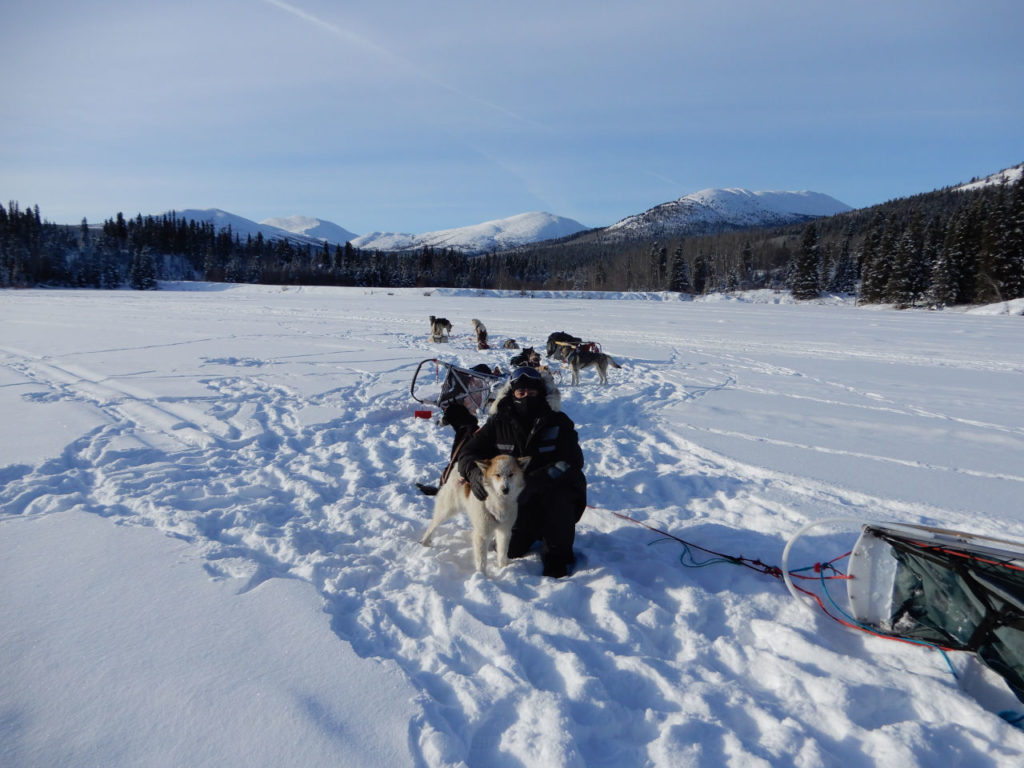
[
  {"x": 821, "y": 569},
  {"x": 1016, "y": 719},
  {"x": 747, "y": 562},
  {"x": 826, "y": 571}
]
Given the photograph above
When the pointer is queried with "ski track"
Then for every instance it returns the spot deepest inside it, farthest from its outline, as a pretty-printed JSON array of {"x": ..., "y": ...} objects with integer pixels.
[{"x": 495, "y": 663}]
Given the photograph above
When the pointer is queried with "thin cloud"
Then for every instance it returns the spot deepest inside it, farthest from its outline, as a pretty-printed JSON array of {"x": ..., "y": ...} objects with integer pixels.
[{"x": 399, "y": 61}]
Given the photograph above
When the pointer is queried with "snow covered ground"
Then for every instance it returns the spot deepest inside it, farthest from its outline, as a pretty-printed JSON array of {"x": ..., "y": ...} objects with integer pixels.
[{"x": 208, "y": 534}]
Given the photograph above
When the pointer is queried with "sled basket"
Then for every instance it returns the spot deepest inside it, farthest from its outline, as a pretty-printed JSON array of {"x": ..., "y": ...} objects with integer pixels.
[
  {"x": 956, "y": 590},
  {"x": 440, "y": 384}
]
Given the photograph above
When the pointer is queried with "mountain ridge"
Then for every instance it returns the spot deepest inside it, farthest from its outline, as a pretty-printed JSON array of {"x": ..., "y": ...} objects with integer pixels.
[
  {"x": 697, "y": 213},
  {"x": 715, "y": 210},
  {"x": 498, "y": 234},
  {"x": 706, "y": 211},
  {"x": 310, "y": 226}
]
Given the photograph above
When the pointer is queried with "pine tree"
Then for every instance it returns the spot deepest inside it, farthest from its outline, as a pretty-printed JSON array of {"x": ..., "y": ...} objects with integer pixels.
[
  {"x": 1014, "y": 243},
  {"x": 941, "y": 292},
  {"x": 907, "y": 276},
  {"x": 961, "y": 279},
  {"x": 142, "y": 275},
  {"x": 844, "y": 276},
  {"x": 874, "y": 268},
  {"x": 1006, "y": 258},
  {"x": 699, "y": 273},
  {"x": 804, "y": 283},
  {"x": 680, "y": 278}
]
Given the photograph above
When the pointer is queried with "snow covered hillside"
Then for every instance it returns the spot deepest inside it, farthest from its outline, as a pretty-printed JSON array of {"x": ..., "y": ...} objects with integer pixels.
[
  {"x": 714, "y": 210},
  {"x": 209, "y": 533},
  {"x": 479, "y": 238},
  {"x": 243, "y": 227},
  {"x": 517, "y": 230},
  {"x": 1006, "y": 176},
  {"x": 309, "y": 226}
]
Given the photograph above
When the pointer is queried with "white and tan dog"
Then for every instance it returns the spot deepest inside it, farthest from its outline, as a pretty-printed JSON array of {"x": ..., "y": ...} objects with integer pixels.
[
  {"x": 481, "y": 334},
  {"x": 493, "y": 517}
]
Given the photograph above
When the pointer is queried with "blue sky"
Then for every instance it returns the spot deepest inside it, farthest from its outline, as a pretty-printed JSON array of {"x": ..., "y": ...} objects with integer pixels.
[{"x": 412, "y": 116}]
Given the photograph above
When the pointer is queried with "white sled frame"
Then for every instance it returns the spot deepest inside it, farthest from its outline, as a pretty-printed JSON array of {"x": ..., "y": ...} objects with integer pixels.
[{"x": 474, "y": 389}]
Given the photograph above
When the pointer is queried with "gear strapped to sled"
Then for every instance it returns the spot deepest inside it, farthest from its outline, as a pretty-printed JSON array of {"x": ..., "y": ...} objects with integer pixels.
[
  {"x": 955, "y": 590},
  {"x": 944, "y": 589},
  {"x": 441, "y": 384},
  {"x": 568, "y": 349}
]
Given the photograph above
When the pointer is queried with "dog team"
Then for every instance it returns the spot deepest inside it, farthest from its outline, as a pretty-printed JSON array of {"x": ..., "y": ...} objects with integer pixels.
[{"x": 564, "y": 347}]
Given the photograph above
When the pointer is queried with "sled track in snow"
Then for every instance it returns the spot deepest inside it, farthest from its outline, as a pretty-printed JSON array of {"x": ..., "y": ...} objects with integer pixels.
[{"x": 263, "y": 494}]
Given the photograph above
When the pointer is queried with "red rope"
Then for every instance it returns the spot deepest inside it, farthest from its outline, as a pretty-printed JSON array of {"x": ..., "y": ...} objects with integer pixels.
[{"x": 775, "y": 571}]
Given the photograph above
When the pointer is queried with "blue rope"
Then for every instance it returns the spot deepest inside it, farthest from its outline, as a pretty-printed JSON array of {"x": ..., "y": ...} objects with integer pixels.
[
  {"x": 1016, "y": 719},
  {"x": 849, "y": 618},
  {"x": 687, "y": 553}
]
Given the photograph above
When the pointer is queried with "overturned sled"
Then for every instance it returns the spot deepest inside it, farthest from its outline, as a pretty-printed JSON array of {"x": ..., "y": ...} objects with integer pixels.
[
  {"x": 947, "y": 589},
  {"x": 439, "y": 384},
  {"x": 956, "y": 590}
]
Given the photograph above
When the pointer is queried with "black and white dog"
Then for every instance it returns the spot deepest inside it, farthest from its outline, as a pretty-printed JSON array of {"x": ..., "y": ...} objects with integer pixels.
[{"x": 440, "y": 329}]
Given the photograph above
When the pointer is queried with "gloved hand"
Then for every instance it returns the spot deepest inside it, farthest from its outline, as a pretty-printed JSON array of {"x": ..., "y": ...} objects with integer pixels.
[
  {"x": 541, "y": 480},
  {"x": 476, "y": 482},
  {"x": 557, "y": 469}
]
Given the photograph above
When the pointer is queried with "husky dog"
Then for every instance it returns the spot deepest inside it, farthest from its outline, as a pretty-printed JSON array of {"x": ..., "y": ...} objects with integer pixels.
[
  {"x": 440, "y": 329},
  {"x": 561, "y": 344},
  {"x": 510, "y": 344},
  {"x": 493, "y": 517},
  {"x": 529, "y": 356},
  {"x": 583, "y": 358},
  {"x": 481, "y": 334}
]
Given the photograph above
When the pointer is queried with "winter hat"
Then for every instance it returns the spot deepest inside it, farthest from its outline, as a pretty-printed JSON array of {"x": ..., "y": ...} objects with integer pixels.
[{"x": 527, "y": 378}]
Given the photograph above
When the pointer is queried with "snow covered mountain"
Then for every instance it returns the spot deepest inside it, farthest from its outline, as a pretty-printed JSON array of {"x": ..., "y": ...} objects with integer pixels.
[
  {"x": 716, "y": 210},
  {"x": 479, "y": 238},
  {"x": 326, "y": 231},
  {"x": 245, "y": 227},
  {"x": 710, "y": 210}
]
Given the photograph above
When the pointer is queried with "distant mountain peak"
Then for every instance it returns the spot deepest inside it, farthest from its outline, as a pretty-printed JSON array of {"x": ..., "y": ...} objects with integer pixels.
[
  {"x": 717, "y": 210},
  {"x": 309, "y": 226},
  {"x": 495, "y": 235},
  {"x": 324, "y": 230}
]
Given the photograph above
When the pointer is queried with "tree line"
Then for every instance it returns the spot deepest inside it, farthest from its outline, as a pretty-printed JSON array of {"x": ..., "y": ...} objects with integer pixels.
[{"x": 941, "y": 248}]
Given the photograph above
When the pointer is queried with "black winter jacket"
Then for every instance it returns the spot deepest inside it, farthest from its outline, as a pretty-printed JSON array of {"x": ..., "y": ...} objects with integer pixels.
[{"x": 548, "y": 439}]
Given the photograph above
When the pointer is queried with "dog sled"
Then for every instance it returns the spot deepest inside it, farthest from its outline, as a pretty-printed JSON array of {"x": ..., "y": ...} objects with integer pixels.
[
  {"x": 438, "y": 384},
  {"x": 564, "y": 346},
  {"x": 941, "y": 588}
]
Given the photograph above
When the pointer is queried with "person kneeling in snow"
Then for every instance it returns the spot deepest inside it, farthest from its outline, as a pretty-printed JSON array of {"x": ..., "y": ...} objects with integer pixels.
[{"x": 526, "y": 420}]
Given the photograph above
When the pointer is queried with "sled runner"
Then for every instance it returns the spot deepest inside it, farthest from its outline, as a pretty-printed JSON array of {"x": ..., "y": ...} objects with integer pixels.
[
  {"x": 955, "y": 590},
  {"x": 439, "y": 384}
]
